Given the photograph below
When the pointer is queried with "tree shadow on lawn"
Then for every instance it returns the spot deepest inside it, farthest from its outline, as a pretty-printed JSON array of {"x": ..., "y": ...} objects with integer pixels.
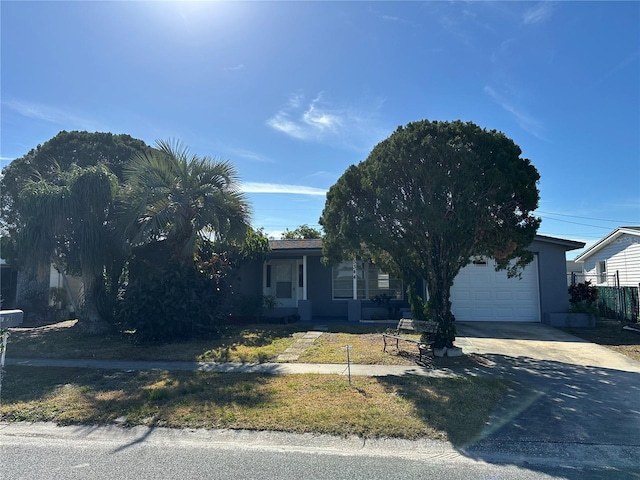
[
  {"x": 63, "y": 341},
  {"x": 152, "y": 398},
  {"x": 552, "y": 404}
]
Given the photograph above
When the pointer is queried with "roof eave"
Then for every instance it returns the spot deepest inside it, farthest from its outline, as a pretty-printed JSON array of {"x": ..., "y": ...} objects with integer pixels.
[
  {"x": 606, "y": 241},
  {"x": 568, "y": 244}
]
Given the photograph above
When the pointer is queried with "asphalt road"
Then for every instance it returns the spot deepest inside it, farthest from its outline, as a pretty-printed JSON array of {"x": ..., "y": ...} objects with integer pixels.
[{"x": 44, "y": 451}]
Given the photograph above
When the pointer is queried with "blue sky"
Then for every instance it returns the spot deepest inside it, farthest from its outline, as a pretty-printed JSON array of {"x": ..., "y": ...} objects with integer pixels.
[{"x": 294, "y": 92}]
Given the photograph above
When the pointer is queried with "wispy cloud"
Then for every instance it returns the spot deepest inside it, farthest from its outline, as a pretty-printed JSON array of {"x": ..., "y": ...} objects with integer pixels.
[
  {"x": 258, "y": 187},
  {"x": 51, "y": 114},
  {"x": 234, "y": 68},
  {"x": 617, "y": 68},
  {"x": 250, "y": 155},
  {"x": 526, "y": 122},
  {"x": 321, "y": 121},
  {"x": 537, "y": 14},
  {"x": 307, "y": 122}
]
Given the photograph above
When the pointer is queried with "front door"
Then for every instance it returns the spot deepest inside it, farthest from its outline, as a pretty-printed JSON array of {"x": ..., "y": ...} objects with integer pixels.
[{"x": 282, "y": 282}]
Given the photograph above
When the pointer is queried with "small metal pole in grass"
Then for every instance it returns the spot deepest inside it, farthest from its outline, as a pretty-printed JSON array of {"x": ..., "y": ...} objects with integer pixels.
[
  {"x": 349, "y": 363},
  {"x": 4, "y": 334}
]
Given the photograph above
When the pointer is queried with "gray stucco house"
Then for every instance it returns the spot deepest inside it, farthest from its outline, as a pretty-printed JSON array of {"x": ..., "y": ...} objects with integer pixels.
[{"x": 302, "y": 285}]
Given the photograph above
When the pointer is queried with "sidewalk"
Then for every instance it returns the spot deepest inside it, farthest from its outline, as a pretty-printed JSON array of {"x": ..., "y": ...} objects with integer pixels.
[{"x": 234, "y": 367}]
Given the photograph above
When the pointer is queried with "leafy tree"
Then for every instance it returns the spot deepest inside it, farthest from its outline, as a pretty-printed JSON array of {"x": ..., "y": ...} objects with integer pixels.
[
  {"x": 427, "y": 200},
  {"x": 302, "y": 232},
  {"x": 65, "y": 224},
  {"x": 83, "y": 149},
  {"x": 180, "y": 198},
  {"x": 57, "y": 206}
]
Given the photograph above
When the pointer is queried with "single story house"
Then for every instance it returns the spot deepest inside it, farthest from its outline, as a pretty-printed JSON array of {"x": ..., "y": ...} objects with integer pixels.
[
  {"x": 613, "y": 261},
  {"x": 301, "y": 284}
]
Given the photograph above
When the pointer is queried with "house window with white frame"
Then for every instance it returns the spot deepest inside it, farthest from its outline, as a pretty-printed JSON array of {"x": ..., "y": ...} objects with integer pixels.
[
  {"x": 370, "y": 281},
  {"x": 601, "y": 271}
]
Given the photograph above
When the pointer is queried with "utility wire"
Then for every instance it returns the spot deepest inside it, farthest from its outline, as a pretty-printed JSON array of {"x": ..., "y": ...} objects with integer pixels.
[
  {"x": 576, "y": 223},
  {"x": 619, "y": 222}
]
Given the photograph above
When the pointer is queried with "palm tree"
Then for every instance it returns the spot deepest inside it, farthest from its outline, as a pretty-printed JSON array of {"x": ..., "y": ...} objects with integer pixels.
[{"x": 179, "y": 198}]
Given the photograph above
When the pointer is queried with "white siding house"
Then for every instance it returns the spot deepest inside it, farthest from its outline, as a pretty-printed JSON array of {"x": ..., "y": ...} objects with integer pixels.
[{"x": 614, "y": 260}]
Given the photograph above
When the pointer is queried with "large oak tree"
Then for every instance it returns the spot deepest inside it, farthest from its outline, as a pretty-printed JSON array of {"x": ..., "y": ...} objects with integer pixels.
[{"x": 427, "y": 200}]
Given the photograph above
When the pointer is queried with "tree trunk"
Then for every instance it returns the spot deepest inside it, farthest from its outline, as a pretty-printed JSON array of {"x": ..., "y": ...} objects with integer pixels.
[
  {"x": 440, "y": 312},
  {"x": 89, "y": 320}
]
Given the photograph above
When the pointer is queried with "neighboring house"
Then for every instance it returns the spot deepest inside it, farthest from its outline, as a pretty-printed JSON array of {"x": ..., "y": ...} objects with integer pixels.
[
  {"x": 615, "y": 260},
  {"x": 574, "y": 272},
  {"x": 302, "y": 285},
  {"x": 56, "y": 280},
  {"x": 8, "y": 285}
]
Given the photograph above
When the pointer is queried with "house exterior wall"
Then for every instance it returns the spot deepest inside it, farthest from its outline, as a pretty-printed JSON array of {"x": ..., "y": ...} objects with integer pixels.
[
  {"x": 622, "y": 255},
  {"x": 249, "y": 281},
  {"x": 319, "y": 290},
  {"x": 551, "y": 265},
  {"x": 75, "y": 283},
  {"x": 552, "y": 275}
]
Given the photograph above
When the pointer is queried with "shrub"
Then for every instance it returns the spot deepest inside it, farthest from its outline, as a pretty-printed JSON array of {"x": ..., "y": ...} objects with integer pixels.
[
  {"x": 171, "y": 302},
  {"x": 583, "y": 297},
  {"x": 583, "y": 292}
]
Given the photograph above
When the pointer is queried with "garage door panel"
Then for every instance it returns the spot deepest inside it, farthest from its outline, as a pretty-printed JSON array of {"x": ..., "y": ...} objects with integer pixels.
[
  {"x": 504, "y": 296},
  {"x": 504, "y": 313},
  {"x": 481, "y": 293},
  {"x": 461, "y": 295}
]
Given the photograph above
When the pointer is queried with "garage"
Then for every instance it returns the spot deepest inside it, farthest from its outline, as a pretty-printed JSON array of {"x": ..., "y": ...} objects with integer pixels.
[{"x": 480, "y": 293}]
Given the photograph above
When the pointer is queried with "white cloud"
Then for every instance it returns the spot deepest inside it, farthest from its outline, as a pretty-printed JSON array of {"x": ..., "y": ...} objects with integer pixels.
[
  {"x": 249, "y": 155},
  {"x": 526, "y": 122},
  {"x": 321, "y": 121},
  {"x": 51, "y": 114},
  {"x": 537, "y": 14},
  {"x": 235, "y": 68},
  {"x": 258, "y": 187},
  {"x": 308, "y": 122}
]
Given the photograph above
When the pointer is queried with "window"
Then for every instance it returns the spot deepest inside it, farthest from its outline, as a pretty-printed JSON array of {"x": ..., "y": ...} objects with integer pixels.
[
  {"x": 370, "y": 281},
  {"x": 601, "y": 271}
]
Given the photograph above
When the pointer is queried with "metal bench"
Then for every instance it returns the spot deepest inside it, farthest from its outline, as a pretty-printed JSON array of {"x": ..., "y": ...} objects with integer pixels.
[{"x": 417, "y": 326}]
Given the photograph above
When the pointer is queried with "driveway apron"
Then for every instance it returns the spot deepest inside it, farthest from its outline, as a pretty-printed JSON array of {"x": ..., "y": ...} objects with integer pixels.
[{"x": 565, "y": 389}]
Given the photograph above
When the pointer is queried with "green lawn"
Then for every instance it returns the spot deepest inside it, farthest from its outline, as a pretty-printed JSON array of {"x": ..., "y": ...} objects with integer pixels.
[
  {"x": 409, "y": 407},
  {"x": 455, "y": 409}
]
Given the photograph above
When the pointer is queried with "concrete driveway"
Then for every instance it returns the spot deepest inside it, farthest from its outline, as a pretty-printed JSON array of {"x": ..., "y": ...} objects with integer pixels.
[
  {"x": 539, "y": 342},
  {"x": 565, "y": 390}
]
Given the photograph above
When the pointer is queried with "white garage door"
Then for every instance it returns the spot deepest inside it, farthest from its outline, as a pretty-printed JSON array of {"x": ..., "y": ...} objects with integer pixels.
[{"x": 480, "y": 293}]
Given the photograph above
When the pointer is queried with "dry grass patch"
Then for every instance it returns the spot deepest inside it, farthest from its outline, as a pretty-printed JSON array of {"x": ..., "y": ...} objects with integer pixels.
[
  {"x": 404, "y": 407},
  {"x": 234, "y": 344},
  {"x": 252, "y": 343},
  {"x": 609, "y": 333},
  {"x": 366, "y": 349}
]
